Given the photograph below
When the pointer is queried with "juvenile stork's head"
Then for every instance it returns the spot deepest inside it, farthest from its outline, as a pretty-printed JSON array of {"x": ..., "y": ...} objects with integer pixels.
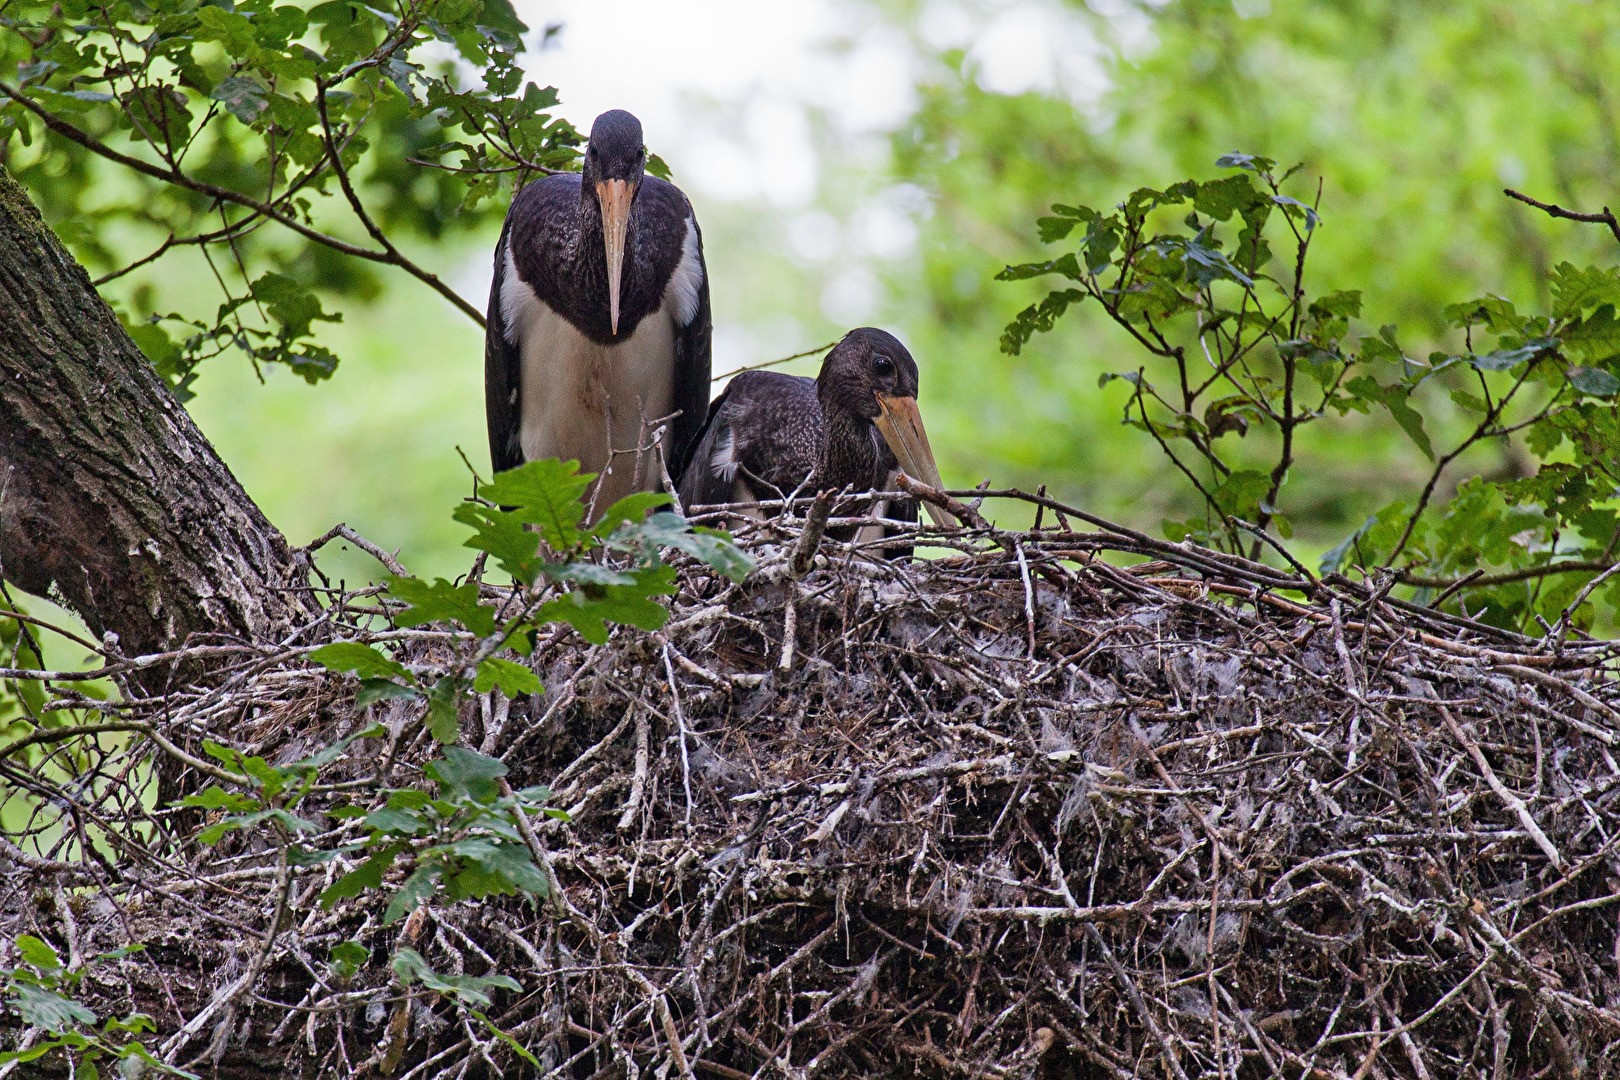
[
  {"x": 615, "y": 161},
  {"x": 869, "y": 373}
]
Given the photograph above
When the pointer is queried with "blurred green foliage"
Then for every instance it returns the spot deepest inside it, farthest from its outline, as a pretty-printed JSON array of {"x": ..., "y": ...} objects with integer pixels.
[
  {"x": 1415, "y": 116},
  {"x": 1230, "y": 341},
  {"x": 376, "y": 446}
]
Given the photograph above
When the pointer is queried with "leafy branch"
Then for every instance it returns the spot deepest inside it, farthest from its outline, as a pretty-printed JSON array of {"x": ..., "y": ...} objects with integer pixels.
[
  {"x": 223, "y": 119},
  {"x": 41, "y": 990},
  {"x": 1514, "y": 550}
]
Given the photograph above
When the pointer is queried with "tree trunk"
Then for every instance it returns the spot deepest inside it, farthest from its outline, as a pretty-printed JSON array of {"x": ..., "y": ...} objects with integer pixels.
[{"x": 111, "y": 499}]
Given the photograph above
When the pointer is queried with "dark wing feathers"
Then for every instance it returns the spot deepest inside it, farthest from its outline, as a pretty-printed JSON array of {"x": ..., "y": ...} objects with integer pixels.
[
  {"x": 503, "y": 367},
  {"x": 777, "y": 432},
  {"x": 700, "y": 483},
  {"x": 692, "y": 377},
  {"x": 766, "y": 425}
]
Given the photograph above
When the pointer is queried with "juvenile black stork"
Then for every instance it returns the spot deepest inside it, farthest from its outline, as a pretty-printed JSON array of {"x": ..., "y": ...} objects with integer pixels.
[
  {"x": 598, "y": 317},
  {"x": 854, "y": 425}
]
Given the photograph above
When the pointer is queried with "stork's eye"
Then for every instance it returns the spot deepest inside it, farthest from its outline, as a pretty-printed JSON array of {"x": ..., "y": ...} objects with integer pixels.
[
  {"x": 590, "y": 151},
  {"x": 883, "y": 366}
]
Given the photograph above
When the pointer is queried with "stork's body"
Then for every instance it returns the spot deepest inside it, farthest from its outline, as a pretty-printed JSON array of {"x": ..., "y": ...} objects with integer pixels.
[
  {"x": 855, "y": 426},
  {"x": 598, "y": 319}
]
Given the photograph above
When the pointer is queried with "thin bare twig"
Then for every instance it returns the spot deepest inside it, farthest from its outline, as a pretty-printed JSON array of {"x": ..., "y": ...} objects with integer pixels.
[{"x": 1604, "y": 217}]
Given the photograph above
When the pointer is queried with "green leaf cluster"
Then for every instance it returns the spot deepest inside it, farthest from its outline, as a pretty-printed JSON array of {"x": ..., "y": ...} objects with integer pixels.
[
  {"x": 1208, "y": 278},
  {"x": 470, "y": 992},
  {"x": 272, "y": 792},
  {"x": 296, "y": 145},
  {"x": 460, "y": 836},
  {"x": 40, "y": 992},
  {"x": 462, "y": 840},
  {"x": 531, "y": 521}
]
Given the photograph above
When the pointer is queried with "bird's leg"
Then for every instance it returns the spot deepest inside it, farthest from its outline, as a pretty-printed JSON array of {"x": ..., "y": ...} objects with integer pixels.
[
  {"x": 607, "y": 466},
  {"x": 639, "y": 476}
]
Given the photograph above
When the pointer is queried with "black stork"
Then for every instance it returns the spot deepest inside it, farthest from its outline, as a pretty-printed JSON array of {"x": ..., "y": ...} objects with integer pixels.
[
  {"x": 598, "y": 318},
  {"x": 854, "y": 425}
]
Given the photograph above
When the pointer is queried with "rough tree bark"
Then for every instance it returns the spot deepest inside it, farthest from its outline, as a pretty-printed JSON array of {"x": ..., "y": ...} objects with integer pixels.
[{"x": 111, "y": 499}]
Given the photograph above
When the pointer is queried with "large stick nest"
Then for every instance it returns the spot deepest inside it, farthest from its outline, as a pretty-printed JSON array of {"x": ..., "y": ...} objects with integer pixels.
[{"x": 1017, "y": 811}]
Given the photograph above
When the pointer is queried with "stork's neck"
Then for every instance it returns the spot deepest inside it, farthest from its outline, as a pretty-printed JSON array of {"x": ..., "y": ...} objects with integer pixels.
[{"x": 849, "y": 453}]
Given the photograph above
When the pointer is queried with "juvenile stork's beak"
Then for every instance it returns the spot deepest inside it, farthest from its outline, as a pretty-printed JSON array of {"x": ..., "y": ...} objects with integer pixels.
[
  {"x": 614, "y": 197},
  {"x": 902, "y": 428}
]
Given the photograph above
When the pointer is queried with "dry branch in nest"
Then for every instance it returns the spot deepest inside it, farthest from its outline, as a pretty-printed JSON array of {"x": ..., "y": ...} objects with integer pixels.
[{"x": 1012, "y": 812}]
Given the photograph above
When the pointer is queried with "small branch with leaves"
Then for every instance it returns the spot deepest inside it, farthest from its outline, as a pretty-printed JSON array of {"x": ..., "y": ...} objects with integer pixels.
[
  {"x": 162, "y": 96},
  {"x": 1210, "y": 285}
]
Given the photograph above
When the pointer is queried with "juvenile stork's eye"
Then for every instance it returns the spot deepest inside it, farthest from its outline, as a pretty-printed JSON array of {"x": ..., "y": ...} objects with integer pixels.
[{"x": 883, "y": 366}]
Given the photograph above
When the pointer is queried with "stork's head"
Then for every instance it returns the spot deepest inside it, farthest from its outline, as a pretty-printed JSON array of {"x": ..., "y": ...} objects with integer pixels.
[
  {"x": 867, "y": 366},
  {"x": 615, "y": 159},
  {"x": 869, "y": 373}
]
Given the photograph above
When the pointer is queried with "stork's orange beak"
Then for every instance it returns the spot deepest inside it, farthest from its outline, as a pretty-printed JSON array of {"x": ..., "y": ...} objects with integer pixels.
[
  {"x": 614, "y": 196},
  {"x": 902, "y": 428}
]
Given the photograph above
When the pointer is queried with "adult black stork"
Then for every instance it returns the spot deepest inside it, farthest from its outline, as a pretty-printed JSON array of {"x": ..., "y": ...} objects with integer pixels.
[
  {"x": 598, "y": 318},
  {"x": 854, "y": 425}
]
